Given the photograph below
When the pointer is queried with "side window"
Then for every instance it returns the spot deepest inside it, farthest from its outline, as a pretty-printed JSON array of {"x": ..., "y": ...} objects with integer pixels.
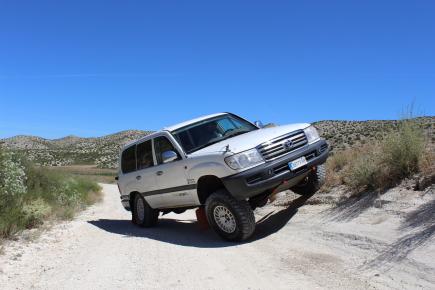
[
  {"x": 162, "y": 144},
  {"x": 144, "y": 155},
  {"x": 128, "y": 159}
]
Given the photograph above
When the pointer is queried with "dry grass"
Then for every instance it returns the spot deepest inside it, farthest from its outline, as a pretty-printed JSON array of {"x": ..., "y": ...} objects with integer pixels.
[
  {"x": 427, "y": 163},
  {"x": 380, "y": 165}
]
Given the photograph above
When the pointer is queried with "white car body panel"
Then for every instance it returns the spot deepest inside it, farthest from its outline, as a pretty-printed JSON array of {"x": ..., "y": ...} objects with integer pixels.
[{"x": 213, "y": 165}]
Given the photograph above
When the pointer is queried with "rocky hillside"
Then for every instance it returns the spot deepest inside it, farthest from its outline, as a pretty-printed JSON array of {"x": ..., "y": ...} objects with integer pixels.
[
  {"x": 103, "y": 151},
  {"x": 345, "y": 134}
]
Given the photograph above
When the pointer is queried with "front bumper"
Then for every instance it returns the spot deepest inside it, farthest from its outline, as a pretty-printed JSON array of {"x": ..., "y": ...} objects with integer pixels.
[{"x": 271, "y": 174}]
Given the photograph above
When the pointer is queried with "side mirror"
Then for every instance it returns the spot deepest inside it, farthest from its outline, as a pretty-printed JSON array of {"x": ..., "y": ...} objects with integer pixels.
[
  {"x": 259, "y": 124},
  {"x": 169, "y": 156}
]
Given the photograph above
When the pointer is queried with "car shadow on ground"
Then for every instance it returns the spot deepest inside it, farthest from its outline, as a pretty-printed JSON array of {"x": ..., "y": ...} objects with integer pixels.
[{"x": 188, "y": 233}]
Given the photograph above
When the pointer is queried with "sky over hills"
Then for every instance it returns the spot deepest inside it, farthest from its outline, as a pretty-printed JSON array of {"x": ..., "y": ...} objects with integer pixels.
[{"x": 94, "y": 68}]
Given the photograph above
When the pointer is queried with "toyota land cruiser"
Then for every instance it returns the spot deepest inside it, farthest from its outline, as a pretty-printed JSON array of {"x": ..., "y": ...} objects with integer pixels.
[{"x": 222, "y": 163}]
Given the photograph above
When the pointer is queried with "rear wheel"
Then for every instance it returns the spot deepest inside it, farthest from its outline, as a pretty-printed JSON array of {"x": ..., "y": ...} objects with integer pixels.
[
  {"x": 312, "y": 183},
  {"x": 232, "y": 219},
  {"x": 143, "y": 214}
]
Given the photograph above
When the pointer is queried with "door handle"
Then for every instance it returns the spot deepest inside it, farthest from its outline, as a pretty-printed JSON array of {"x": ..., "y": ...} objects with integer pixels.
[
  {"x": 159, "y": 172},
  {"x": 138, "y": 177}
]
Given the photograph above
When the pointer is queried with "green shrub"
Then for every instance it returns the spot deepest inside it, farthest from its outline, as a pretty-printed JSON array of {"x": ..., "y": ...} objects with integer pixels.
[
  {"x": 29, "y": 194},
  {"x": 12, "y": 191},
  {"x": 35, "y": 212}
]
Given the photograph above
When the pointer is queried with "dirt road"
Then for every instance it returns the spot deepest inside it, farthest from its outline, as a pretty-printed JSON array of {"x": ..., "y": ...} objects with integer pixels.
[{"x": 308, "y": 247}]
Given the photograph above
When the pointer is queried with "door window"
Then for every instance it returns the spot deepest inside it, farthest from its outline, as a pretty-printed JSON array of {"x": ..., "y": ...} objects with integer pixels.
[
  {"x": 144, "y": 155},
  {"x": 162, "y": 144},
  {"x": 128, "y": 159}
]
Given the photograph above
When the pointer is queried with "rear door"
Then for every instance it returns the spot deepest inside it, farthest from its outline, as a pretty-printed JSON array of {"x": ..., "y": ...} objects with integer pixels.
[
  {"x": 127, "y": 180},
  {"x": 171, "y": 179},
  {"x": 146, "y": 171}
]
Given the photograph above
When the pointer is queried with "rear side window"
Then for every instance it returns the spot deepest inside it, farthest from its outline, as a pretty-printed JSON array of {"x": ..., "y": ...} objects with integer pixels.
[
  {"x": 128, "y": 159},
  {"x": 161, "y": 145},
  {"x": 144, "y": 155}
]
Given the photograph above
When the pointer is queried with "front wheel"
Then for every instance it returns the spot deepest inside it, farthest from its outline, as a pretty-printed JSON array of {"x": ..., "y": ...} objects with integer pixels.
[
  {"x": 232, "y": 219},
  {"x": 143, "y": 214},
  {"x": 312, "y": 183}
]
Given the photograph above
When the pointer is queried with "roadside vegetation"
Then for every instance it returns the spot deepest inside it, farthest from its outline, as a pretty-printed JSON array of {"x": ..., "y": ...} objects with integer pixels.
[
  {"x": 30, "y": 195},
  {"x": 403, "y": 152},
  {"x": 90, "y": 172}
]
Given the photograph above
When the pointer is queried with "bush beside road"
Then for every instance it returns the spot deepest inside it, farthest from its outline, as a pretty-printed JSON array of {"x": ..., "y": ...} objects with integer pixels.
[{"x": 30, "y": 195}]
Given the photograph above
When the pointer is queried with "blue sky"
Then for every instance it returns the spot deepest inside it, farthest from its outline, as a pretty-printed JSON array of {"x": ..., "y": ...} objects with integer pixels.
[{"x": 91, "y": 68}]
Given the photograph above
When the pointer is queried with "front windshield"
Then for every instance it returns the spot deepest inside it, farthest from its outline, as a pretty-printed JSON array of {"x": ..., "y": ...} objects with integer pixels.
[{"x": 207, "y": 132}]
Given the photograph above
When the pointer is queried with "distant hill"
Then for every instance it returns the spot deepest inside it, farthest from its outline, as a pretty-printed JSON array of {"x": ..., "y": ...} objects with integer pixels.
[
  {"x": 104, "y": 151},
  {"x": 101, "y": 151}
]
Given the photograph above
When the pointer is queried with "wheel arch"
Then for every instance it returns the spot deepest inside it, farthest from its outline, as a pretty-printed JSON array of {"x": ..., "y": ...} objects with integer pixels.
[{"x": 206, "y": 185}]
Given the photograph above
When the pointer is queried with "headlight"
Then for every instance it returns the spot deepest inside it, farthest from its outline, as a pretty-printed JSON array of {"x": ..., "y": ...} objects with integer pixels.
[
  {"x": 312, "y": 134},
  {"x": 244, "y": 159}
]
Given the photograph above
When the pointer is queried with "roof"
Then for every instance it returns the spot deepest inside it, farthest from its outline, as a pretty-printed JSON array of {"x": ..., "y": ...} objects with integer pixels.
[
  {"x": 180, "y": 125},
  {"x": 149, "y": 136},
  {"x": 173, "y": 127}
]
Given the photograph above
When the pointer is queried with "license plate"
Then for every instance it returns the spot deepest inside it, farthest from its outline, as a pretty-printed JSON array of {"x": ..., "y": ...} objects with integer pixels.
[{"x": 297, "y": 163}]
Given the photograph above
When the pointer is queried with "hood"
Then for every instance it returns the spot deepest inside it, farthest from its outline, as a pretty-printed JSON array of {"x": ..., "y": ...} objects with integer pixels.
[{"x": 250, "y": 140}]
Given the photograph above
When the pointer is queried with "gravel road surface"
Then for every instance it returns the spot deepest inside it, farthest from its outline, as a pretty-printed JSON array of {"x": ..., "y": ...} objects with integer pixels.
[{"x": 294, "y": 247}]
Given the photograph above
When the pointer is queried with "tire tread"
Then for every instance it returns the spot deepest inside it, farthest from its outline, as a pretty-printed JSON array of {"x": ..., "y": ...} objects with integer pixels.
[
  {"x": 151, "y": 215},
  {"x": 241, "y": 208}
]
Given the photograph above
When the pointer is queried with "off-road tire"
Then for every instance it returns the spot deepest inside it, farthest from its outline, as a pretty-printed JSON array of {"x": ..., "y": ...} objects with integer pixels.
[
  {"x": 149, "y": 216},
  {"x": 312, "y": 183},
  {"x": 241, "y": 211}
]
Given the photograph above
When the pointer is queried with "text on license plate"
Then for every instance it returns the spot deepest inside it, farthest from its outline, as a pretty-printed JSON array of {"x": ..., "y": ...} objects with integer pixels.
[{"x": 297, "y": 163}]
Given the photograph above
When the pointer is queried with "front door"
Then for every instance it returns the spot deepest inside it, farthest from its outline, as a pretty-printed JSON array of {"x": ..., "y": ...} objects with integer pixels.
[{"x": 173, "y": 188}]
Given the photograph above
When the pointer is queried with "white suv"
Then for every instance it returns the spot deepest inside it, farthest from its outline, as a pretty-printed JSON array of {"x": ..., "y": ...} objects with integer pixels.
[{"x": 223, "y": 163}]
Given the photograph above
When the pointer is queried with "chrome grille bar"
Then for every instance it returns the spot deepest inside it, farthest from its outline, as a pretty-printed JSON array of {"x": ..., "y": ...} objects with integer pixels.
[{"x": 277, "y": 147}]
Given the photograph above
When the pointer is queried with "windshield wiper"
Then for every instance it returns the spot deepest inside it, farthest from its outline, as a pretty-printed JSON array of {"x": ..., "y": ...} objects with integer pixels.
[
  {"x": 206, "y": 145},
  {"x": 235, "y": 133}
]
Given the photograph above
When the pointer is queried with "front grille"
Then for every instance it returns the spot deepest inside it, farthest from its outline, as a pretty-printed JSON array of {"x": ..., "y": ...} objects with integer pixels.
[{"x": 279, "y": 146}]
